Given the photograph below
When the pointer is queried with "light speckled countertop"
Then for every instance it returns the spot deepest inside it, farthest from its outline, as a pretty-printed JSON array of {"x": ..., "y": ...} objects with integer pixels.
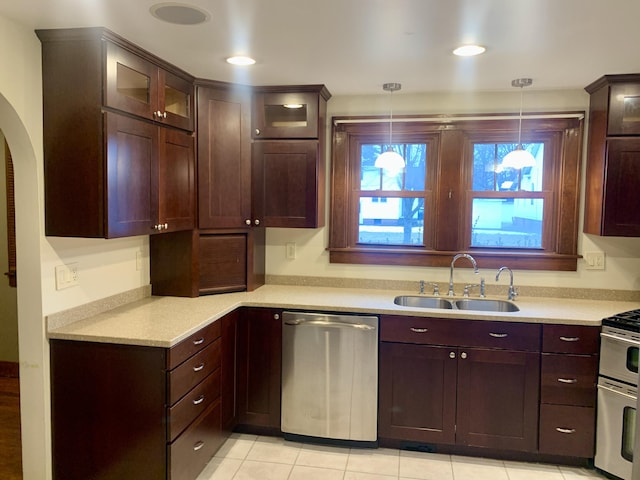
[{"x": 164, "y": 321}]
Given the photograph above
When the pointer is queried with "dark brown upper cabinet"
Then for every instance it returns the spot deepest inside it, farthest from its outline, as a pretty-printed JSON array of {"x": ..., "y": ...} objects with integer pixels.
[
  {"x": 613, "y": 157},
  {"x": 110, "y": 168}
]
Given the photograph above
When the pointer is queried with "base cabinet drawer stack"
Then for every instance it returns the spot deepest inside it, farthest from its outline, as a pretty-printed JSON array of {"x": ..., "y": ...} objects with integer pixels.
[{"x": 568, "y": 390}]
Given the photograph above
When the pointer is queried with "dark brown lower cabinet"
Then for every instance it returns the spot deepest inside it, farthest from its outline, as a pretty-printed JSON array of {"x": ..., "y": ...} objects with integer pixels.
[{"x": 259, "y": 367}]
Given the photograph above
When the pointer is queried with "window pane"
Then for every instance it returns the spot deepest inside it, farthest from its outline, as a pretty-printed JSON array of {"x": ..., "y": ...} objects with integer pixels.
[
  {"x": 391, "y": 221},
  {"x": 507, "y": 222},
  {"x": 489, "y": 175},
  {"x": 411, "y": 178}
]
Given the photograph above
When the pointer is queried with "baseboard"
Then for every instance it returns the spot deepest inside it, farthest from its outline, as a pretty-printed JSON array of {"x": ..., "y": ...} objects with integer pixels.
[{"x": 9, "y": 369}]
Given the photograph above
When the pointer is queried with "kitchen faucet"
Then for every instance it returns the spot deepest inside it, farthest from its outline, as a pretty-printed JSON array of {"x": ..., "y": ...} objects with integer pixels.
[
  {"x": 512, "y": 291},
  {"x": 451, "y": 293}
]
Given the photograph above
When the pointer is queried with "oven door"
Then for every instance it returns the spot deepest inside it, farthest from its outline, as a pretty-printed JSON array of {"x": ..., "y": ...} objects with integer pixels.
[
  {"x": 619, "y": 354},
  {"x": 616, "y": 426}
]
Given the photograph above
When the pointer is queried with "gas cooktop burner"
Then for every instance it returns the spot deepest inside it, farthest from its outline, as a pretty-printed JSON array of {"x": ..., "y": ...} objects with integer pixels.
[{"x": 627, "y": 320}]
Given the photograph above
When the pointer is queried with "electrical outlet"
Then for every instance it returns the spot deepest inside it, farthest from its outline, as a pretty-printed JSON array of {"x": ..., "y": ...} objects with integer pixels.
[
  {"x": 67, "y": 276},
  {"x": 594, "y": 260},
  {"x": 290, "y": 251}
]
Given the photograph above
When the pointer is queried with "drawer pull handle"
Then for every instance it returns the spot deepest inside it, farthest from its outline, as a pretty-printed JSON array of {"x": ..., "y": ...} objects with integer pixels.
[
  {"x": 419, "y": 330},
  {"x": 568, "y": 380},
  {"x": 198, "y": 342},
  {"x": 199, "y": 400},
  {"x": 569, "y": 339},
  {"x": 566, "y": 430},
  {"x": 498, "y": 335},
  {"x": 198, "y": 368},
  {"x": 198, "y": 446}
]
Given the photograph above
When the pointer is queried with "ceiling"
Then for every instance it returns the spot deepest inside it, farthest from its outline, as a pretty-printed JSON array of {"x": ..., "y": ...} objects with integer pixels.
[{"x": 354, "y": 46}]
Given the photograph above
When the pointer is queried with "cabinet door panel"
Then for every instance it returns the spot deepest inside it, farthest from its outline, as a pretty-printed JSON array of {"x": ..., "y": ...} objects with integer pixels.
[
  {"x": 570, "y": 339},
  {"x": 624, "y": 108},
  {"x": 176, "y": 178},
  {"x": 273, "y": 116},
  {"x": 223, "y": 263},
  {"x": 132, "y": 190},
  {"x": 498, "y": 399},
  {"x": 224, "y": 158},
  {"x": 417, "y": 393},
  {"x": 622, "y": 195},
  {"x": 175, "y": 100}
]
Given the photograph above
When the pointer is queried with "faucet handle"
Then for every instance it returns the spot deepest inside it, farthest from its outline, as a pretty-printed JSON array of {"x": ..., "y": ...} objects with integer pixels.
[
  {"x": 421, "y": 287},
  {"x": 436, "y": 289},
  {"x": 513, "y": 293},
  {"x": 465, "y": 292}
]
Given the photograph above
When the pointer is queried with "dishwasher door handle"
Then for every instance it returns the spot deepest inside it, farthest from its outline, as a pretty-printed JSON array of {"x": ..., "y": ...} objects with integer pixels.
[{"x": 328, "y": 324}]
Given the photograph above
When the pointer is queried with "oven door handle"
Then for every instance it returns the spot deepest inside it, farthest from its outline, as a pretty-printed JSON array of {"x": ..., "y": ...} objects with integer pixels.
[
  {"x": 617, "y": 392},
  {"x": 620, "y": 339}
]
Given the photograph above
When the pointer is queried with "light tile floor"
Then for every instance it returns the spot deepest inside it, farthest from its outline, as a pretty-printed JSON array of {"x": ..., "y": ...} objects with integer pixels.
[{"x": 250, "y": 457}]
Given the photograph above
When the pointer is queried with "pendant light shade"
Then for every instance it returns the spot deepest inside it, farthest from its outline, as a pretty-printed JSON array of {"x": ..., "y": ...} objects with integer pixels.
[
  {"x": 519, "y": 158},
  {"x": 390, "y": 160}
]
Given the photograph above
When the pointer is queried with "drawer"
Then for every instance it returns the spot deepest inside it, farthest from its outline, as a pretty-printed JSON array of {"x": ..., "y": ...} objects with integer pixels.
[
  {"x": 193, "y": 404},
  {"x": 420, "y": 330},
  {"x": 567, "y": 431},
  {"x": 192, "y": 344},
  {"x": 191, "y": 372},
  {"x": 504, "y": 335},
  {"x": 192, "y": 450},
  {"x": 569, "y": 379},
  {"x": 570, "y": 339}
]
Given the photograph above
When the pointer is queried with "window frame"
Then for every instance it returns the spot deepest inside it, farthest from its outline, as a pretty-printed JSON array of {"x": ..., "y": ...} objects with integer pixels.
[{"x": 451, "y": 171}]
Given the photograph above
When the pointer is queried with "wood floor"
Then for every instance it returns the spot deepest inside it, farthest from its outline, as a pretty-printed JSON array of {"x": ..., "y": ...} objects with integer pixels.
[{"x": 10, "y": 448}]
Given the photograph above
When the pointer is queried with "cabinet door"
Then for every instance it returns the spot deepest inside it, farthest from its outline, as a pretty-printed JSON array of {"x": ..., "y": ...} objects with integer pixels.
[
  {"x": 286, "y": 115},
  {"x": 224, "y": 158},
  {"x": 223, "y": 263},
  {"x": 259, "y": 365},
  {"x": 175, "y": 100},
  {"x": 131, "y": 83},
  {"x": 621, "y": 194},
  {"x": 417, "y": 393},
  {"x": 131, "y": 184},
  {"x": 498, "y": 399},
  {"x": 229, "y": 370},
  {"x": 177, "y": 180},
  {"x": 288, "y": 184},
  {"x": 624, "y": 109}
]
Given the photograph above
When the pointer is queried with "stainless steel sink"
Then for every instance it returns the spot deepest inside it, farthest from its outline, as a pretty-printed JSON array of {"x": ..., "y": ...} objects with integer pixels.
[
  {"x": 422, "y": 302},
  {"x": 486, "y": 305}
]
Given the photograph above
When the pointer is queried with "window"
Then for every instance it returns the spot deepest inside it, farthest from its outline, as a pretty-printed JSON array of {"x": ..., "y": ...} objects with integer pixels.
[{"x": 454, "y": 195}]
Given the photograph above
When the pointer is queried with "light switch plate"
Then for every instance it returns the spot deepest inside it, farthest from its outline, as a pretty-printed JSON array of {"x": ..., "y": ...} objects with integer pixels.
[
  {"x": 594, "y": 260},
  {"x": 66, "y": 276}
]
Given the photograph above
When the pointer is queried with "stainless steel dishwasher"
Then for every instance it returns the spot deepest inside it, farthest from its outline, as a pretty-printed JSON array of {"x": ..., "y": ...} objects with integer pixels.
[{"x": 330, "y": 377}]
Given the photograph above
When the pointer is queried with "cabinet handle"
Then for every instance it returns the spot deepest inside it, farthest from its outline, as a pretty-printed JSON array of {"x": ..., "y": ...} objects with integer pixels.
[
  {"x": 199, "y": 400},
  {"x": 198, "y": 368},
  {"x": 419, "y": 330},
  {"x": 463, "y": 355},
  {"x": 569, "y": 339},
  {"x": 498, "y": 335},
  {"x": 200, "y": 341},
  {"x": 568, "y": 380},
  {"x": 452, "y": 354},
  {"x": 198, "y": 446},
  {"x": 566, "y": 430}
]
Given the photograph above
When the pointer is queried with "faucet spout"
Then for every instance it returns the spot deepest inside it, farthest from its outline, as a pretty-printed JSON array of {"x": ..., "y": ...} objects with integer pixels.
[
  {"x": 451, "y": 293},
  {"x": 512, "y": 291}
]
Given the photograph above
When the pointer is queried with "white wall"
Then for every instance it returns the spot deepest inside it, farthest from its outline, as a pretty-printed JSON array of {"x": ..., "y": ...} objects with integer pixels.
[
  {"x": 105, "y": 266},
  {"x": 622, "y": 270}
]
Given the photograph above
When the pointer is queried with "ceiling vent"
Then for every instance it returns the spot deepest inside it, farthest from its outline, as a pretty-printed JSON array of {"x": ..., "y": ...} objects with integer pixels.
[{"x": 179, "y": 13}]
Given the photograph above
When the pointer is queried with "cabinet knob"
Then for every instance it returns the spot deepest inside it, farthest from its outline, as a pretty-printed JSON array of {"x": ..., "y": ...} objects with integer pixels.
[
  {"x": 463, "y": 355},
  {"x": 276, "y": 316},
  {"x": 452, "y": 354},
  {"x": 247, "y": 222},
  {"x": 165, "y": 226},
  {"x": 258, "y": 131},
  {"x": 256, "y": 222}
]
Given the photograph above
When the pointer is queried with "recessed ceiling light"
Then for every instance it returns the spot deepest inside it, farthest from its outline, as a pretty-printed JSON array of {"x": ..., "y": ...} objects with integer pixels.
[
  {"x": 469, "y": 50},
  {"x": 240, "y": 60},
  {"x": 179, "y": 13}
]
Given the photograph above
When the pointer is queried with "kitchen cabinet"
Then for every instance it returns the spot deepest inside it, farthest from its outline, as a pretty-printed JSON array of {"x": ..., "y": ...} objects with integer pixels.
[
  {"x": 459, "y": 382},
  {"x": 122, "y": 405},
  {"x": 259, "y": 367},
  {"x": 568, "y": 390},
  {"x": 110, "y": 169},
  {"x": 288, "y": 168},
  {"x": 613, "y": 157}
]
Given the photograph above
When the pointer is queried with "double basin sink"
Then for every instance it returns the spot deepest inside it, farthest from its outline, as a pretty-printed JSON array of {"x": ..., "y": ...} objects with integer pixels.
[{"x": 479, "y": 304}]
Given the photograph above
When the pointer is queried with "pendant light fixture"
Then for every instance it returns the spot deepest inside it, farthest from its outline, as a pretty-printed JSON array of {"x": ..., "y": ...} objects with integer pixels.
[
  {"x": 390, "y": 160},
  {"x": 519, "y": 158}
]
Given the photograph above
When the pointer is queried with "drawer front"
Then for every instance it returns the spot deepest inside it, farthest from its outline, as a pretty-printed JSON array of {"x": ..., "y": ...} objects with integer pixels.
[
  {"x": 570, "y": 339},
  {"x": 567, "y": 431},
  {"x": 192, "y": 344},
  {"x": 504, "y": 335},
  {"x": 569, "y": 379},
  {"x": 193, "y": 404},
  {"x": 193, "y": 371},
  {"x": 420, "y": 330},
  {"x": 192, "y": 450}
]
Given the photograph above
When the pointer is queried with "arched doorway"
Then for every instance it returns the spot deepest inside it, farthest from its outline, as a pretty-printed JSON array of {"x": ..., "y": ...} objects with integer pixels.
[{"x": 32, "y": 344}]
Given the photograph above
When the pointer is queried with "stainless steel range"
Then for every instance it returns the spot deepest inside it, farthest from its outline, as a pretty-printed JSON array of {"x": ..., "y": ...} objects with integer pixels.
[{"x": 617, "y": 393}]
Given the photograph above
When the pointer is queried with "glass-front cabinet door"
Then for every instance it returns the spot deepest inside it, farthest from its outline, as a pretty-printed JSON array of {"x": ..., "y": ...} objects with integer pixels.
[
  {"x": 285, "y": 115},
  {"x": 176, "y": 101},
  {"x": 624, "y": 109}
]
